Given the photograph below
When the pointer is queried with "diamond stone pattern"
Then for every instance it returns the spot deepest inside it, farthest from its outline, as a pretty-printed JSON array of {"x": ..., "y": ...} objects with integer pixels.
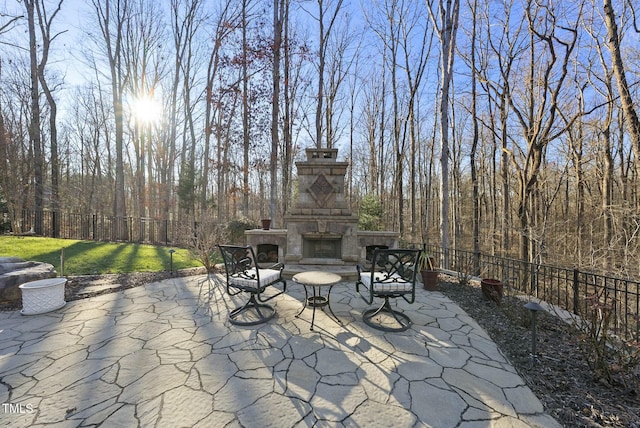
[{"x": 321, "y": 189}]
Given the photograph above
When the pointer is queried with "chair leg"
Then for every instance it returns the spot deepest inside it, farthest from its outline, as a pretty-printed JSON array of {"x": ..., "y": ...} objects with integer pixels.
[
  {"x": 402, "y": 320},
  {"x": 264, "y": 312}
]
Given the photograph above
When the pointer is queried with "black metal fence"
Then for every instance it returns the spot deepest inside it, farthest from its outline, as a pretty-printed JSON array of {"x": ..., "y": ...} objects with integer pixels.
[
  {"x": 100, "y": 227},
  {"x": 570, "y": 289}
]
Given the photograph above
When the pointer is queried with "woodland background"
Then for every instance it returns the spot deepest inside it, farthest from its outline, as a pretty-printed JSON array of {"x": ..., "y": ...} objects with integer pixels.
[{"x": 508, "y": 127}]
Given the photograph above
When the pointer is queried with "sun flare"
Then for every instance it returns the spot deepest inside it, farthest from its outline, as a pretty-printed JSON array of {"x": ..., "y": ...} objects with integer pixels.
[{"x": 146, "y": 110}]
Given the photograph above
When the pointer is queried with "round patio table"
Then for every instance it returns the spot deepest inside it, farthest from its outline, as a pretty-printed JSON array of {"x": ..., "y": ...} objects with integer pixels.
[{"x": 316, "y": 280}]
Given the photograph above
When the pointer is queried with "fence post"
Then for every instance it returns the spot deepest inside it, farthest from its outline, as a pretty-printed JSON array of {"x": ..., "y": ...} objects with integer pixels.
[
  {"x": 166, "y": 232},
  {"x": 62, "y": 261},
  {"x": 54, "y": 224},
  {"x": 576, "y": 290}
]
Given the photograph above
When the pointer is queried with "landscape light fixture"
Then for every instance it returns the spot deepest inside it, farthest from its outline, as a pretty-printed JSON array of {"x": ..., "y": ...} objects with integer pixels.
[
  {"x": 534, "y": 308},
  {"x": 171, "y": 251}
]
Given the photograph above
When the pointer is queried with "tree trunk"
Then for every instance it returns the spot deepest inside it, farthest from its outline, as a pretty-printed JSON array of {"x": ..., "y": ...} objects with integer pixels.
[
  {"x": 287, "y": 170},
  {"x": 245, "y": 114},
  {"x": 34, "y": 122},
  {"x": 278, "y": 10},
  {"x": 630, "y": 112},
  {"x": 45, "y": 31},
  {"x": 321, "y": 62},
  {"x": 113, "y": 34},
  {"x": 474, "y": 148},
  {"x": 447, "y": 26}
]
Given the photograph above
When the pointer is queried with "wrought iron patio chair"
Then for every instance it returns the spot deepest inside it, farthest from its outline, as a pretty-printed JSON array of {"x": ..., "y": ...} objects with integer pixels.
[
  {"x": 392, "y": 275},
  {"x": 245, "y": 276}
]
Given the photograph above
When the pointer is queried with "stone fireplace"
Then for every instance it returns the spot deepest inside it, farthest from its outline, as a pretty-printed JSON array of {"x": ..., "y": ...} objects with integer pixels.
[
  {"x": 320, "y": 229},
  {"x": 320, "y": 226}
]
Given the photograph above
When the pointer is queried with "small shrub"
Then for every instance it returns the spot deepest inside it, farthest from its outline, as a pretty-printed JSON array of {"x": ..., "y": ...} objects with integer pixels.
[
  {"x": 611, "y": 358},
  {"x": 465, "y": 269},
  {"x": 201, "y": 238},
  {"x": 370, "y": 217},
  {"x": 236, "y": 228}
]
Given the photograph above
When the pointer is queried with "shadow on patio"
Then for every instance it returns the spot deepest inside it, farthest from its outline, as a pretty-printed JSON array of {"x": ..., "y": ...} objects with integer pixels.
[{"x": 165, "y": 354}]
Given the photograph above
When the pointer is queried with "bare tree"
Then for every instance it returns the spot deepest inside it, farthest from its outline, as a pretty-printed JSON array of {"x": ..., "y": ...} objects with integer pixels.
[
  {"x": 7, "y": 23},
  {"x": 280, "y": 8},
  {"x": 34, "y": 122},
  {"x": 475, "y": 136},
  {"x": 631, "y": 115},
  {"x": 445, "y": 21},
  {"x": 506, "y": 47},
  {"x": 295, "y": 54},
  {"x": 185, "y": 23},
  {"x": 224, "y": 23},
  {"x": 112, "y": 19},
  {"x": 90, "y": 129},
  {"x": 328, "y": 12},
  {"x": 44, "y": 23},
  {"x": 540, "y": 109},
  {"x": 602, "y": 82},
  {"x": 143, "y": 56},
  {"x": 390, "y": 35},
  {"x": 414, "y": 66},
  {"x": 16, "y": 167},
  {"x": 373, "y": 101},
  {"x": 245, "y": 107},
  {"x": 404, "y": 60}
]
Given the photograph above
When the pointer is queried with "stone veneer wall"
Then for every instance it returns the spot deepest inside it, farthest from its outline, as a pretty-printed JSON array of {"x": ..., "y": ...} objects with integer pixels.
[
  {"x": 277, "y": 237},
  {"x": 368, "y": 238}
]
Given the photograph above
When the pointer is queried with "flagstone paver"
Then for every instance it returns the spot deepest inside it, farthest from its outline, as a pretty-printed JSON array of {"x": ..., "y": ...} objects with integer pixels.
[{"x": 165, "y": 355}]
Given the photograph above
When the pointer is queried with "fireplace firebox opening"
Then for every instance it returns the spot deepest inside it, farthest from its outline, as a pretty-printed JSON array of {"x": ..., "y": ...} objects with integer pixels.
[
  {"x": 322, "y": 247},
  {"x": 267, "y": 253}
]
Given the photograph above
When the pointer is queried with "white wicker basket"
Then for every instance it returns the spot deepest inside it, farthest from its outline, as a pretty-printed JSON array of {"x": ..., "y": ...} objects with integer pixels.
[{"x": 44, "y": 295}]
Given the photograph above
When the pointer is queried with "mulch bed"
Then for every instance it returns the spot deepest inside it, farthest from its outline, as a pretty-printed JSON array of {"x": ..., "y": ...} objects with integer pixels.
[{"x": 560, "y": 377}]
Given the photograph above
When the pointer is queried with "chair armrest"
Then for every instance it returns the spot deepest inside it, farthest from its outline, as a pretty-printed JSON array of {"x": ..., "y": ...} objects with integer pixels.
[{"x": 277, "y": 266}]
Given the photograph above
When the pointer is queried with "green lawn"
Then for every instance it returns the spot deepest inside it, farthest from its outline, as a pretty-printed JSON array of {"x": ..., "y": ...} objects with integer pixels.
[{"x": 90, "y": 257}]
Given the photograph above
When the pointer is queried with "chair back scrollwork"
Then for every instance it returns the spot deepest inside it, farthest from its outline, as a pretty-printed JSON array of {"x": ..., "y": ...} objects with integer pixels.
[
  {"x": 392, "y": 274},
  {"x": 244, "y": 275}
]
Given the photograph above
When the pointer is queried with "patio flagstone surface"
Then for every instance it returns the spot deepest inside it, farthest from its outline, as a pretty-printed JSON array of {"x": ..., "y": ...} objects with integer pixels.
[{"x": 164, "y": 354}]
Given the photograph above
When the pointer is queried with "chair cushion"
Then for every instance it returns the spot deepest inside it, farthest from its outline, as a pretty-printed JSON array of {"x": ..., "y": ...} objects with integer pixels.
[
  {"x": 383, "y": 283},
  {"x": 247, "y": 278}
]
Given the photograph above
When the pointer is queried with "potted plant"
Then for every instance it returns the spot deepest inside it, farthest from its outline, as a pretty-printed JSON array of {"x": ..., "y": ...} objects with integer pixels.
[
  {"x": 492, "y": 289},
  {"x": 427, "y": 270}
]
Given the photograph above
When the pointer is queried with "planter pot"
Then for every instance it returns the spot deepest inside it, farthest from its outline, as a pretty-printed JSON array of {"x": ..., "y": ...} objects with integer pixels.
[
  {"x": 429, "y": 279},
  {"x": 44, "y": 295},
  {"x": 266, "y": 223},
  {"x": 492, "y": 289},
  {"x": 433, "y": 262}
]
